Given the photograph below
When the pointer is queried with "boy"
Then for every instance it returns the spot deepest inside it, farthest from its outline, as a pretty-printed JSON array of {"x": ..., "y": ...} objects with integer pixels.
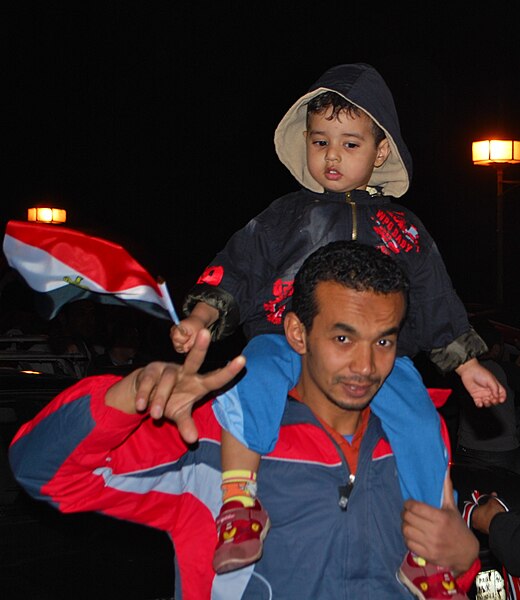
[{"x": 342, "y": 143}]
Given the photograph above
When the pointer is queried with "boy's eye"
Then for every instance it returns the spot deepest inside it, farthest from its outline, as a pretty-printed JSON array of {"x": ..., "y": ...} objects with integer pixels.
[
  {"x": 351, "y": 145},
  {"x": 320, "y": 143}
]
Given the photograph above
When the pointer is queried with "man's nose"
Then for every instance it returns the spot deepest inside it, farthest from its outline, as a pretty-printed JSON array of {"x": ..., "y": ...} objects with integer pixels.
[{"x": 363, "y": 361}]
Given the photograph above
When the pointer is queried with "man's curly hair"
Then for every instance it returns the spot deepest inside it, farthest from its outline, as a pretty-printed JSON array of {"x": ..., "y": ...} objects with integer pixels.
[{"x": 351, "y": 264}]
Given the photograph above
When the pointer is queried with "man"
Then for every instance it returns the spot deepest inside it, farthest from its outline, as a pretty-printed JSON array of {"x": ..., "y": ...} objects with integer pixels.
[{"x": 330, "y": 485}]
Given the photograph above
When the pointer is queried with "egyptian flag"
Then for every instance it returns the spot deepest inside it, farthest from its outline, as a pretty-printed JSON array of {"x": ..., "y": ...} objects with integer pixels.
[{"x": 63, "y": 265}]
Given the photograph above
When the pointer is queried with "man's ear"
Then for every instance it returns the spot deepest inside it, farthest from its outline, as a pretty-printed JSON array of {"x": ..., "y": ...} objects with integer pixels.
[
  {"x": 295, "y": 333},
  {"x": 383, "y": 151}
]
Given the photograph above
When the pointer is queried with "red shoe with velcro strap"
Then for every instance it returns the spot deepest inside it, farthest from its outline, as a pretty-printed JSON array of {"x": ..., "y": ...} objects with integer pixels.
[{"x": 241, "y": 532}]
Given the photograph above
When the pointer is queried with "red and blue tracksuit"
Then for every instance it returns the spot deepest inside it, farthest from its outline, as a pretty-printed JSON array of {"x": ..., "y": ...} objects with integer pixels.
[{"x": 81, "y": 455}]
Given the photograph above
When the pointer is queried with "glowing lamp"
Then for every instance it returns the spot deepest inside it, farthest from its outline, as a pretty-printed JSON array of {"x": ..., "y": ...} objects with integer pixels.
[
  {"x": 42, "y": 214},
  {"x": 489, "y": 152}
]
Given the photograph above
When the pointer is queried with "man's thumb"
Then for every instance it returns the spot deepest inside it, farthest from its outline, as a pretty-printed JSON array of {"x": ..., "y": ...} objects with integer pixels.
[{"x": 448, "y": 498}]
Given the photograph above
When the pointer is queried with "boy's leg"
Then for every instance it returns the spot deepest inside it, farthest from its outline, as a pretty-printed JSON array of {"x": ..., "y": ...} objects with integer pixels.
[
  {"x": 250, "y": 414},
  {"x": 413, "y": 427},
  {"x": 252, "y": 410},
  {"x": 242, "y": 523}
]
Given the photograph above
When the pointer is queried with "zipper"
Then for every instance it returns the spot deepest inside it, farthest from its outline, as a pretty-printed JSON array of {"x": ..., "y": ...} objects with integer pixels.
[
  {"x": 348, "y": 199},
  {"x": 346, "y": 489}
]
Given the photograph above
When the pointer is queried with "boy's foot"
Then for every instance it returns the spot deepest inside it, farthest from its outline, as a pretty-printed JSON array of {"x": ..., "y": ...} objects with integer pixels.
[
  {"x": 427, "y": 581},
  {"x": 241, "y": 532}
]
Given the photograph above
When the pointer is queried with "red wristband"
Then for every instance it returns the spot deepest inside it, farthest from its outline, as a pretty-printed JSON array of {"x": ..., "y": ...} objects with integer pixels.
[{"x": 465, "y": 580}]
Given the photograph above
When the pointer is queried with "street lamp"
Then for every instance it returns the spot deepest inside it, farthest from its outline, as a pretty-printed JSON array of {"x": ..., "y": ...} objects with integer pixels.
[
  {"x": 498, "y": 153},
  {"x": 43, "y": 214}
]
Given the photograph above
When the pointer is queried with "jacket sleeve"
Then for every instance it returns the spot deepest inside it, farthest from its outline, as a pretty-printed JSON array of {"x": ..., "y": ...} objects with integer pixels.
[
  {"x": 76, "y": 445},
  {"x": 232, "y": 281},
  {"x": 437, "y": 321},
  {"x": 504, "y": 540}
]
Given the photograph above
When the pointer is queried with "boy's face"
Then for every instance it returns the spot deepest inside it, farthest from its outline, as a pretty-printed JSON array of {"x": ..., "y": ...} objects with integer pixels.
[{"x": 341, "y": 153}]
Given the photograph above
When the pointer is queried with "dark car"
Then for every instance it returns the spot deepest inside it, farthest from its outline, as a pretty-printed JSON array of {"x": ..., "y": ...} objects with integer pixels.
[{"x": 46, "y": 555}]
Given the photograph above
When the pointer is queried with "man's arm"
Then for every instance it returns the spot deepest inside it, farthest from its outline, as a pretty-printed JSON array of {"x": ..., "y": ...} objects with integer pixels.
[
  {"x": 62, "y": 453},
  {"x": 503, "y": 528},
  {"x": 440, "y": 535}
]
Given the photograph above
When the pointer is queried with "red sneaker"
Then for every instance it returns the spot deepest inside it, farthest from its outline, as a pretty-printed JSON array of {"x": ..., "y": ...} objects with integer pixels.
[
  {"x": 427, "y": 581},
  {"x": 241, "y": 532}
]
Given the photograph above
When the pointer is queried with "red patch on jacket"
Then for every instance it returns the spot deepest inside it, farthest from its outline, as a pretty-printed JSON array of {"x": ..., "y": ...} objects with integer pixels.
[
  {"x": 382, "y": 450},
  {"x": 274, "y": 309},
  {"x": 212, "y": 275}
]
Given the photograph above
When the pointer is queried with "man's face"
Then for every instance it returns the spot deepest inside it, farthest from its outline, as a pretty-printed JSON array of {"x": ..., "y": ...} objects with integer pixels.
[
  {"x": 341, "y": 153},
  {"x": 350, "y": 348}
]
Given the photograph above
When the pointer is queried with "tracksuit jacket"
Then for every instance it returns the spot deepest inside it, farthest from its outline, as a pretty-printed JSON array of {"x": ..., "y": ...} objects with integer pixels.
[
  {"x": 250, "y": 283},
  {"x": 81, "y": 455}
]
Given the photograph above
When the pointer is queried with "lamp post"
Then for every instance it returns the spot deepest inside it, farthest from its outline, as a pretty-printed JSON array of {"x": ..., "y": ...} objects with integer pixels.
[{"x": 498, "y": 153}]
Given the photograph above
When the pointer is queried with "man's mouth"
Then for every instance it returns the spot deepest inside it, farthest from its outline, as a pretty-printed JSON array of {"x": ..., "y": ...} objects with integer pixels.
[{"x": 359, "y": 389}]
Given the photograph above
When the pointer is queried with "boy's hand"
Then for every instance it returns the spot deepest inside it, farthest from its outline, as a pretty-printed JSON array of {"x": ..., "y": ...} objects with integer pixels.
[
  {"x": 170, "y": 390},
  {"x": 481, "y": 384},
  {"x": 183, "y": 335}
]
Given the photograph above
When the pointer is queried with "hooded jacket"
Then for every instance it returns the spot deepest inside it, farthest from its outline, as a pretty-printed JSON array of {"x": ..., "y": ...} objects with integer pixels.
[{"x": 250, "y": 280}]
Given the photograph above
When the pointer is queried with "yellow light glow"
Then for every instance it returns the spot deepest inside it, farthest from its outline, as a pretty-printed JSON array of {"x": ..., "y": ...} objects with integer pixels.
[
  {"x": 42, "y": 214},
  {"x": 488, "y": 152}
]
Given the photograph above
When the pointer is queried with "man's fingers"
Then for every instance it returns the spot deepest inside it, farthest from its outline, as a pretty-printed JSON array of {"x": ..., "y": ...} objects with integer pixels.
[
  {"x": 448, "y": 499},
  {"x": 221, "y": 377},
  {"x": 187, "y": 429}
]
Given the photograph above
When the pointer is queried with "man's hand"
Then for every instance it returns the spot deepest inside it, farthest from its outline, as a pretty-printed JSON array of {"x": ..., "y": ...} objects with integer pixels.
[
  {"x": 483, "y": 514},
  {"x": 481, "y": 384},
  {"x": 170, "y": 390},
  {"x": 440, "y": 535}
]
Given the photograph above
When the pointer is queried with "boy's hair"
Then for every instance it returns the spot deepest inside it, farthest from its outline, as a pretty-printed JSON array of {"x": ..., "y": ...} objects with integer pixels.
[
  {"x": 351, "y": 264},
  {"x": 326, "y": 100}
]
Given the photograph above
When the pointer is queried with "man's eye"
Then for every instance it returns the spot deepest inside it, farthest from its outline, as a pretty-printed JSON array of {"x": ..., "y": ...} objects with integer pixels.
[
  {"x": 385, "y": 343},
  {"x": 342, "y": 339}
]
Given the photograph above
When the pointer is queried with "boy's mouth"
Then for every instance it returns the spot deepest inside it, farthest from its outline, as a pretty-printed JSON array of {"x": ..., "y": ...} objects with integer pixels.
[{"x": 332, "y": 174}]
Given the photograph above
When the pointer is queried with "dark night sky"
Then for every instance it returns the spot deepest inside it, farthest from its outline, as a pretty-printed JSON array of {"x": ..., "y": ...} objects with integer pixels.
[{"x": 152, "y": 122}]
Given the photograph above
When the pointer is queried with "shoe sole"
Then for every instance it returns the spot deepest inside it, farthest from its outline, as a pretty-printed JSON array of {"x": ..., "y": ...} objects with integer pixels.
[
  {"x": 233, "y": 564},
  {"x": 409, "y": 585}
]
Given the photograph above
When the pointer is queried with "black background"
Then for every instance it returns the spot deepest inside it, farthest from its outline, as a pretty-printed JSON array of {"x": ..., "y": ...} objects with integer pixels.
[{"x": 152, "y": 122}]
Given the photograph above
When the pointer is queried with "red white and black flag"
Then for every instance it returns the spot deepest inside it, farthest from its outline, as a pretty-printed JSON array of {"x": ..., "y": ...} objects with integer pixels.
[{"x": 62, "y": 265}]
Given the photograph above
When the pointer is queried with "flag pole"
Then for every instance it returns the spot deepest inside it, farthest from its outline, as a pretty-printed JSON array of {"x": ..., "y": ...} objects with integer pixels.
[{"x": 169, "y": 304}]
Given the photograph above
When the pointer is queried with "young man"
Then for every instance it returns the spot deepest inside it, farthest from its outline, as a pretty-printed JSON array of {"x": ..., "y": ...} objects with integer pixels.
[{"x": 103, "y": 445}]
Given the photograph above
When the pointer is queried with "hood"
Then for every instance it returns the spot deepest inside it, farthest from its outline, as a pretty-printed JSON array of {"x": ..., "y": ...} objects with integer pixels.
[{"x": 362, "y": 85}]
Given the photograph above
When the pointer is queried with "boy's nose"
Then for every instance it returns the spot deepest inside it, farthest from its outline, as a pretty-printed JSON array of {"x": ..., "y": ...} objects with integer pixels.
[{"x": 332, "y": 156}]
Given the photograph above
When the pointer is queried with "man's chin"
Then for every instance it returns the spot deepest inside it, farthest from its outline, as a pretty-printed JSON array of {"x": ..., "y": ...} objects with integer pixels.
[{"x": 351, "y": 404}]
